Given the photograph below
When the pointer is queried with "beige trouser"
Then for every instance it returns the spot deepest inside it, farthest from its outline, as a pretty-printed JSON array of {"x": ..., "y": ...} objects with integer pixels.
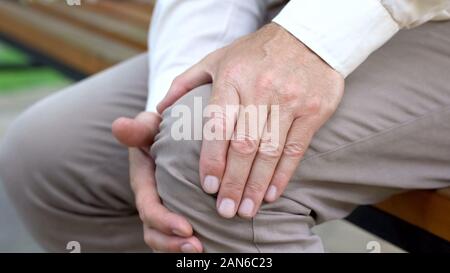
[{"x": 69, "y": 178}]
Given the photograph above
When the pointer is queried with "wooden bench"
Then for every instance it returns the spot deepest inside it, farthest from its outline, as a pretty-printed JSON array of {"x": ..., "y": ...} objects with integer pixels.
[
  {"x": 88, "y": 38},
  {"x": 429, "y": 210},
  {"x": 98, "y": 34}
]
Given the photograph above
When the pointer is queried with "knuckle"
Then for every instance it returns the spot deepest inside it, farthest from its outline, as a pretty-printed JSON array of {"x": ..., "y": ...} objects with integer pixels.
[
  {"x": 233, "y": 188},
  {"x": 289, "y": 96},
  {"x": 269, "y": 150},
  {"x": 145, "y": 215},
  {"x": 219, "y": 122},
  {"x": 219, "y": 127},
  {"x": 265, "y": 81},
  {"x": 149, "y": 216},
  {"x": 313, "y": 105},
  {"x": 141, "y": 208},
  {"x": 212, "y": 165},
  {"x": 244, "y": 145},
  {"x": 328, "y": 108},
  {"x": 231, "y": 72},
  {"x": 255, "y": 188},
  {"x": 294, "y": 149}
]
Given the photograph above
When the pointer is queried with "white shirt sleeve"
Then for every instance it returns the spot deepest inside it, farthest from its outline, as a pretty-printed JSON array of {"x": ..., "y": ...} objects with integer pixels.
[
  {"x": 345, "y": 32},
  {"x": 185, "y": 31}
]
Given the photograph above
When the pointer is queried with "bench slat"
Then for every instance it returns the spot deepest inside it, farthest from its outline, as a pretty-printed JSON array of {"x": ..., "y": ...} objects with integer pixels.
[
  {"x": 76, "y": 47},
  {"x": 102, "y": 24},
  {"x": 428, "y": 210},
  {"x": 118, "y": 13}
]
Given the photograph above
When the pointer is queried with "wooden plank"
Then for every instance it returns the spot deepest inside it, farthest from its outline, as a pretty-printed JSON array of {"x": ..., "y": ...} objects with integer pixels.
[
  {"x": 75, "y": 47},
  {"x": 117, "y": 9},
  {"x": 80, "y": 16},
  {"x": 428, "y": 210},
  {"x": 119, "y": 14},
  {"x": 138, "y": 6}
]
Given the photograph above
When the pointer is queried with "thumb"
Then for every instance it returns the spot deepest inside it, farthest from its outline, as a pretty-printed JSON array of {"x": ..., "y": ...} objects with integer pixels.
[
  {"x": 195, "y": 76},
  {"x": 137, "y": 132}
]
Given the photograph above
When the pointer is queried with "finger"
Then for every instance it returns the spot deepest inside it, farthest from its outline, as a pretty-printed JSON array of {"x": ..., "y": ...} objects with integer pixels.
[
  {"x": 297, "y": 142},
  {"x": 242, "y": 151},
  {"x": 222, "y": 113},
  {"x": 148, "y": 204},
  {"x": 267, "y": 157},
  {"x": 161, "y": 242},
  {"x": 137, "y": 132},
  {"x": 193, "y": 77}
]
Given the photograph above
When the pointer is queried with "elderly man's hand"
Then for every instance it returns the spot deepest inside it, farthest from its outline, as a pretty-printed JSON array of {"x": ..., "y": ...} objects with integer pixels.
[
  {"x": 267, "y": 68},
  {"x": 163, "y": 230}
]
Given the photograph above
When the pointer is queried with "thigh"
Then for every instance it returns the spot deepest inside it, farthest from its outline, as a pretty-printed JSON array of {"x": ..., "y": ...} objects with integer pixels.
[{"x": 65, "y": 172}]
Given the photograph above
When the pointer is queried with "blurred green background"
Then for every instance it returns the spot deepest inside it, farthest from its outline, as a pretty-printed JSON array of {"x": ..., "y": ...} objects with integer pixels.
[{"x": 19, "y": 72}]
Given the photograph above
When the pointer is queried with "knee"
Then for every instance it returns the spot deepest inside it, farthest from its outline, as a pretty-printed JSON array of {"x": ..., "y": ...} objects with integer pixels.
[
  {"x": 178, "y": 182},
  {"x": 177, "y": 160}
]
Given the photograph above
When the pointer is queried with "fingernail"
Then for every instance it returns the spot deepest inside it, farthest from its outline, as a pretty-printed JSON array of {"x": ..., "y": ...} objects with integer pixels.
[
  {"x": 188, "y": 248},
  {"x": 211, "y": 184},
  {"x": 227, "y": 208},
  {"x": 271, "y": 193},
  {"x": 246, "y": 208}
]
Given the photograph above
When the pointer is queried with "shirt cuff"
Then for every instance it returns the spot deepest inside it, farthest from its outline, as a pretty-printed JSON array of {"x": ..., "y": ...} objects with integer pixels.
[{"x": 343, "y": 33}]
